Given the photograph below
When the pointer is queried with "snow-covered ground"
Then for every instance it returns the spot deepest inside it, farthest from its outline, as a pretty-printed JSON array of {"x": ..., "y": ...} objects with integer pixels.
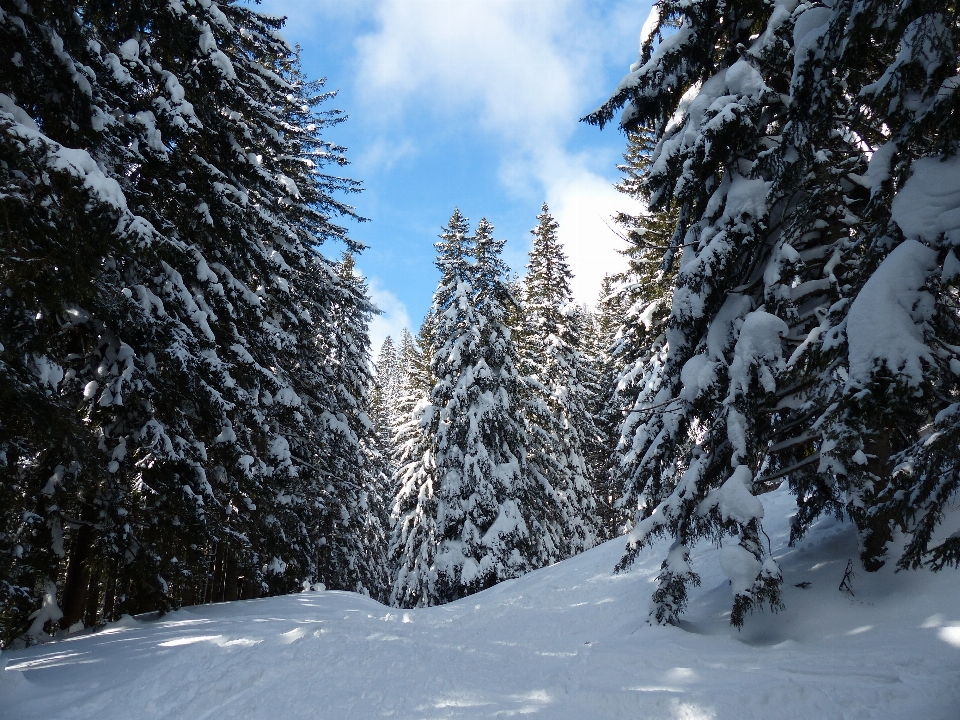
[{"x": 569, "y": 641}]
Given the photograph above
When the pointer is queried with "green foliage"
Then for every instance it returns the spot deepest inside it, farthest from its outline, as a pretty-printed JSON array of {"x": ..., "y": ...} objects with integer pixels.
[
  {"x": 188, "y": 372},
  {"x": 558, "y": 383},
  {"x": 775, "y": 139}
]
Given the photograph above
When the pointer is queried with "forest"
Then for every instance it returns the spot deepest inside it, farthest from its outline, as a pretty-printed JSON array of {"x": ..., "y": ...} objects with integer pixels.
[{"x": 191, "y": 411}]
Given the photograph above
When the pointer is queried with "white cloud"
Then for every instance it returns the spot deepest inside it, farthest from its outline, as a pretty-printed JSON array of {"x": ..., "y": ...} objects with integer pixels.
[
  {"x": 520, "y": 71},
  {"x": 495, "y": 56},
  {"x": 310, "y": 15},
  {"x": 583, "y": 204},
  {"x": 393, "y": 320},
  {"x": 525, "y": 71},
  {"x": 381, "y": 154}
]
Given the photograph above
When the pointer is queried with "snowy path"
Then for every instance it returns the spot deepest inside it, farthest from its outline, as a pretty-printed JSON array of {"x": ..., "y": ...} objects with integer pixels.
[{"x": 565, "y": 642}]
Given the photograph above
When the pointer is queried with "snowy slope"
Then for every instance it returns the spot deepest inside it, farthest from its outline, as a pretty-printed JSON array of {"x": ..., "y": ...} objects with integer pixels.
[{"x": 569, "y": 641}]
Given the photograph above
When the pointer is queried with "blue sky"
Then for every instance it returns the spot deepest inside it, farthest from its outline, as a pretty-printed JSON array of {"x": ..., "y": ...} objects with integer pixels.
[{"x": 471, "y": 103}]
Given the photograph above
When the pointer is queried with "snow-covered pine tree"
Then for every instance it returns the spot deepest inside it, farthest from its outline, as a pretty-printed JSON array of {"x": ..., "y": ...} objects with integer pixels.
[
  {"x": 353, "y": 549},
  {"x": 414, "y": 537},
  {"x": 469, "y": 513},
  {"x": 706, "y": 85},
  {"x": 817, "y": 272},
  {"x": 604, "y": 321},
  {"x": 798, "y": 133},
  {"x": 491, "y": 517},
  {"x": 412, "y": 382},
  {"x": 892, "y": 435},
  {"x": 406, "y": 346},
  {"x": 384, "y": 396},
  {"x": 63, "y": 222},
  {"x": 408, "y": 442},
  {"x": 872, "y": 101},
  {"x": 192, "y": 340},
  {"x": 642, "y": 297},
  {"x": 557, "y": 379},
  {"x": 412, "y": 366},
  {"x": 414, "y": 512},
  {"x": 384, "y": 391},
  {"x": 419, "y": 375}
]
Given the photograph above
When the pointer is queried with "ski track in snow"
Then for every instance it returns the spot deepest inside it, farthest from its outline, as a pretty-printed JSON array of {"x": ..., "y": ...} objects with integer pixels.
[{"x": 569, "y": 641}]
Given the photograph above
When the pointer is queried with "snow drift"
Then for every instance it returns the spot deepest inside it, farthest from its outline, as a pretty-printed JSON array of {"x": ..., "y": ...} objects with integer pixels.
[{"x": 568, "y": 641}]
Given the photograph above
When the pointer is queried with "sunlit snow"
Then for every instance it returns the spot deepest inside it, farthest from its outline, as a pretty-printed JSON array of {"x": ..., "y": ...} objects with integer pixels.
[{"x": 569, "y": 641}]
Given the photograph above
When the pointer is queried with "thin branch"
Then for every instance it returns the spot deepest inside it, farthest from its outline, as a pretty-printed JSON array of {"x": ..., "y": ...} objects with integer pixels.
[
  {"x": 779, "y": 447},
  {"x": 786, "y": 471},
  {"x": 646, "y": 245}
]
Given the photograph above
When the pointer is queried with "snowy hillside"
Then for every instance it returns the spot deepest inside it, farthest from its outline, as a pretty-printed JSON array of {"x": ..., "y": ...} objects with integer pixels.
[{"x": 569, "y": 641}]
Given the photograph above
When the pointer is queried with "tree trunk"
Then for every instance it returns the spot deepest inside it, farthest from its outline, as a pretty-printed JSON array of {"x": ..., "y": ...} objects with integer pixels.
[
  {"x": 250, "y": 587},
  {"x": 92, "y": 612},
  {"x": 216, "y": 589},
  {"x": 230, "y": 588},
  {"x": 74, "y": 599},
  {"x": 875, "y": 530},
  {"x": 110, "y": 594}
]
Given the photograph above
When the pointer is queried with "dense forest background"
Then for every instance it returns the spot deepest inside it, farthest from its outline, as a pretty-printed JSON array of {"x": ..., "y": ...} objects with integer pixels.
[{"x": 190, "y": 412}]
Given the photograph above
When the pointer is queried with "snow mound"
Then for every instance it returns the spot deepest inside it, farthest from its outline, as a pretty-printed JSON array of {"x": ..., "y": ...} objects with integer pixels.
[
  {"x": 928, "y": 205},
  {"x": 886, "y": 321},
  {"x": 568, "y": 641}
]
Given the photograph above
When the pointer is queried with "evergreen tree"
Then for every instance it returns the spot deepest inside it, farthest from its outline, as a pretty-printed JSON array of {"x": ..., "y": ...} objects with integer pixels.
[
  {"x": 604, "y": 323},
  {"x": 419, "y": 375},
  {"x": 470, "y": 513},
  {"x": 488, "y": 521},
  {"x": 557, "y": 376},
  {"x": 168, "y": 315},
  {"x": 353, "y": 553},
  {"x": 413, "y": 514},
  {"x": 786, "y": 141},
  {"x": 641, "y": 298},
  {"x": 697, "y": 447},
  {"x": 415, "y": 535},
  {"x": 383, "y": 395},
  {"x": 412, "y": 364},
  {"x": 62, "y": 219},
  {"x": 890, "y": 436}
]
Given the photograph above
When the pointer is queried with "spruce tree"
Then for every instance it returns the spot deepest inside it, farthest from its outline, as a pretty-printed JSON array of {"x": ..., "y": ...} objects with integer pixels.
[
  {"x": 641, "y": 296},
  {"x": 489, "y": 515},
  {"x": 557, "y": 377},
  {"x": 416, "y": 509},
  {"x": 383, "y": 398},
  {"x": 605, "y": 321},
  {"x": 891, "y": 436},
  {"x": 182, "y": 319},
  {"x": 411, "y": 364},
  {"x": 413, "y": 513},
  {"x": 470, "y": 512},
  {"x": 697, "y": 447},
  {"x": 353, "y": 552},
  {"x": 786, "y": 140},
  {"x": 64, "y": 222}
]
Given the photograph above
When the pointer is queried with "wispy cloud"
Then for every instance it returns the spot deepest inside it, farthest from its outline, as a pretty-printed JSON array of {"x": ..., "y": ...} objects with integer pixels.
[
  {"x": 310, "y": 15},
  {"x": 495, "y": 60},
  {"x": 515, "y": 75},
  {"x": 382, "y": 153},
  {"x": 394, "y": 317},
  {"x": 523, "y": 72}
]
